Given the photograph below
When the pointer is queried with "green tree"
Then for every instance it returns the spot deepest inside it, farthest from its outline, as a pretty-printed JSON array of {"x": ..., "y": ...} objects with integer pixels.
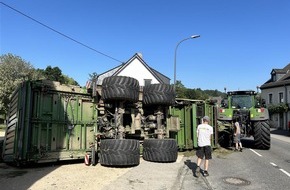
[
  {"x": 69, "y": 80},
  {"x": 93, "y": 77},
  {"x": 180, "y": 89},
  {"x": 38, "y": 74},
  {"x": 13, "y": 71},
  {"x": 197, "y": 94},
  {"x": 53, "y": 74},
  {"x": 215, "y": 93}
]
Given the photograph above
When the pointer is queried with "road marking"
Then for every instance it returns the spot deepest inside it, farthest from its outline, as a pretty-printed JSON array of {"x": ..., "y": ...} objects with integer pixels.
[
  {"x": 275, "y": 165},
  {"x": 256, "y": 152},
  {"x": 285, "y": 172}
]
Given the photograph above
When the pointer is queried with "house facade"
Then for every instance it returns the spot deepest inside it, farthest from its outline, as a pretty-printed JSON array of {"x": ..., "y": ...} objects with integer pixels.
[
  {"x": 136, "y": 68},
  {"x": 276, "y": 92}
]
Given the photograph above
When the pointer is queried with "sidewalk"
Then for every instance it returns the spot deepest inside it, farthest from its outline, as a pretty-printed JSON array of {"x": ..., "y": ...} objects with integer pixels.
[{"x": 280, "y": 134}]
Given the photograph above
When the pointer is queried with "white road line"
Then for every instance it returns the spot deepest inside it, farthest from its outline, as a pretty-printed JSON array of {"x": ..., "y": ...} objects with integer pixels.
[
  {"x": 256, "y": 152},
  {"x": 273, "y": 164},
  {"x": 285, "y": 172}
]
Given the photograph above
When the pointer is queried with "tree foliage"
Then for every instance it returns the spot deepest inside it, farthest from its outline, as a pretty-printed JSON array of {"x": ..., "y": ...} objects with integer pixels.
[
  {"x": 180, "y": 89},
  {"x": 279, "y": 108},
  {"x": 13, "y": 70},
  {"x": 69, "y": 80},
  {"x": 93, "y": 76},
  {"x": 53, "y": 74},
  {"x": 196, "y": 94}
]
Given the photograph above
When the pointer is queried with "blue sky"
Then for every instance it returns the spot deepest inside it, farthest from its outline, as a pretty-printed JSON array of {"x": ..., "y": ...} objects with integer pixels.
[{"x": 241, "y": 40}]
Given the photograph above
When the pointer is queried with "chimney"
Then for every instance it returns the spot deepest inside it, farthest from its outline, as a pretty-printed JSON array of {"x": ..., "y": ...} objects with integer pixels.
[{"x": 140, "y": 55}]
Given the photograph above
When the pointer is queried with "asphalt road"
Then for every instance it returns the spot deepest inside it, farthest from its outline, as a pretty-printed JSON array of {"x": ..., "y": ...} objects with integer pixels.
[{"x": 250, "y": 169}]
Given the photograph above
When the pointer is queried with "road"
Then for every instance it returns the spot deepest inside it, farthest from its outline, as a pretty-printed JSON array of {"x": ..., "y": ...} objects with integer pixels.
[{"x": 250, "y": 169}]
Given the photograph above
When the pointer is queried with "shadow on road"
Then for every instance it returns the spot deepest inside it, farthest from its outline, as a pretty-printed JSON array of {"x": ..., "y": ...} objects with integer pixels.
[
  {"x": 192, "y": 166},
  {"x": 248, "y": 142},
  {"x": 10, "y": 175},
  {"x": 280, "y": 132}
]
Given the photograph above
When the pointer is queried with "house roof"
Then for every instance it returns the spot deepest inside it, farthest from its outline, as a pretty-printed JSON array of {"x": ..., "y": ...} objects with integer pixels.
[
  {"x": 284, "y": 80},
  {"x": 118, "y": 69}
]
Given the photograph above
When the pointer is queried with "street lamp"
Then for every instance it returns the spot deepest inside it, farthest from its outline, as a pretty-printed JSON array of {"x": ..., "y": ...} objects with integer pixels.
[
  {"x": 191, "y": 37},
  {"x": 257, "y": 89}
]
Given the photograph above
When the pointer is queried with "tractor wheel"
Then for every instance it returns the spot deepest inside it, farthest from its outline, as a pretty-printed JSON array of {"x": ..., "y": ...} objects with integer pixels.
[
  {"x": 1, "y": 149},
  {"x": 119, "y": 152},
  {"x": 262, "y": 135},
  {"x": 224, "y": 139},
  {"x": 120, "y": 88},
  {"x": 225, "y": 134},
  {"x": 162, "y": 94},
  {"x": 160, "y": 150}
]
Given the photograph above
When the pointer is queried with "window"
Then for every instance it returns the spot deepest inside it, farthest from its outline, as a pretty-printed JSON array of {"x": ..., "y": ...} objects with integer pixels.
[
  {"x": 147, "y": 81},
  {"x": 281, "y": 97},
  {"x": 241, "y": 101},
  {"x": 274, "y": 78},
  {"x": 270, "y": 98}
]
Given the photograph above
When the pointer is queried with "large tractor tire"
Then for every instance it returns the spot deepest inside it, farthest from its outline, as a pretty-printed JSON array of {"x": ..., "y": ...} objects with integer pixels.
[
  {"x": 119, "y": 152},
  {"x": 161, "y": 94},
  {"x": 1, "y": 149},
  {"x": 225, "y": 134},
  {"x": 225, "y": 139},
  {"x": 120, "y": 88},
  {"x": 262, "y": 137},
  {"x": 160, "y": 150}
]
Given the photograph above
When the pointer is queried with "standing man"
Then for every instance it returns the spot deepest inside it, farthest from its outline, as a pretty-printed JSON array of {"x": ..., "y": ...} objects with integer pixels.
[
  {"x": 237, "y": 137},
  {"x": 204, "y": 136}
]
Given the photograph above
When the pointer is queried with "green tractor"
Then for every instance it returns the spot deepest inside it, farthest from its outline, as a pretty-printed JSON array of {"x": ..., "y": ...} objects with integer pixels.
[{"x": 247, "y": 108}]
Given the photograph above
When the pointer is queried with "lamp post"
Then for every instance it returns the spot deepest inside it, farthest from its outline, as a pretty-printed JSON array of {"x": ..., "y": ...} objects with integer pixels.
[{"x": 191, "y": 37}]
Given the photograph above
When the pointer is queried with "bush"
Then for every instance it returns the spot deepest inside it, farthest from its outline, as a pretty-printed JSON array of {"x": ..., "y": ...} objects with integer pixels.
[{"x": 280, "y": 108}]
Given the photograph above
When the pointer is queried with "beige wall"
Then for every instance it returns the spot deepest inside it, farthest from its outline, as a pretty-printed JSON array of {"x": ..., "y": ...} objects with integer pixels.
[{"x": 278, "y": 120}]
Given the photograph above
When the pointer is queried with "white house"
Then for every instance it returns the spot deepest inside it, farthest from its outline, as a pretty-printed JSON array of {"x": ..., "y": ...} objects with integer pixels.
[{"x": 136, "y": 68}]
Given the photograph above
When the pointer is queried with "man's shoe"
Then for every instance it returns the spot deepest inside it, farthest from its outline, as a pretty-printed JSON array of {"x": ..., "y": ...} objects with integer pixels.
[
  {"x": 197, "y": 171},
  {"x": 241, "y": 150},
  {"x": 205, "y": 173}
]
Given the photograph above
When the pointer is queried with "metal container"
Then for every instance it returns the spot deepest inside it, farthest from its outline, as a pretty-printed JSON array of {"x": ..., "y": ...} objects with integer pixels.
[
  {"x": 190, "y": 113},
  {"x": 47, "y": 122}
]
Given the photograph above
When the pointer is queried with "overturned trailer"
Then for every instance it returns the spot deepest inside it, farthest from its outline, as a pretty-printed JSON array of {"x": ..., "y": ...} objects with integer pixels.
[
  {"x": 113, "y": 123},
  {"x": 48, "y": 122}
]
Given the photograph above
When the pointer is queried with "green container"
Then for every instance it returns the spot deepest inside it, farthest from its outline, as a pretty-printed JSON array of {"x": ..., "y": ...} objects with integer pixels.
[
  {"x": 48, "y": 122},
  {"x": 190, "y": 113}
]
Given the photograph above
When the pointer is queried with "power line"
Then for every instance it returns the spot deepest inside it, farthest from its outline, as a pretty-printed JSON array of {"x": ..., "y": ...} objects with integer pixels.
[{"x": 60, "y": 33}]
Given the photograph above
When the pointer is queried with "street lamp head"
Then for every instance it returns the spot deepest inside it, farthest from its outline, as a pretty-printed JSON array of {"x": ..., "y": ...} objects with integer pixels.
[
  {"x": 195, "y": 36},
  {"x": 188, "y": 38}
]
